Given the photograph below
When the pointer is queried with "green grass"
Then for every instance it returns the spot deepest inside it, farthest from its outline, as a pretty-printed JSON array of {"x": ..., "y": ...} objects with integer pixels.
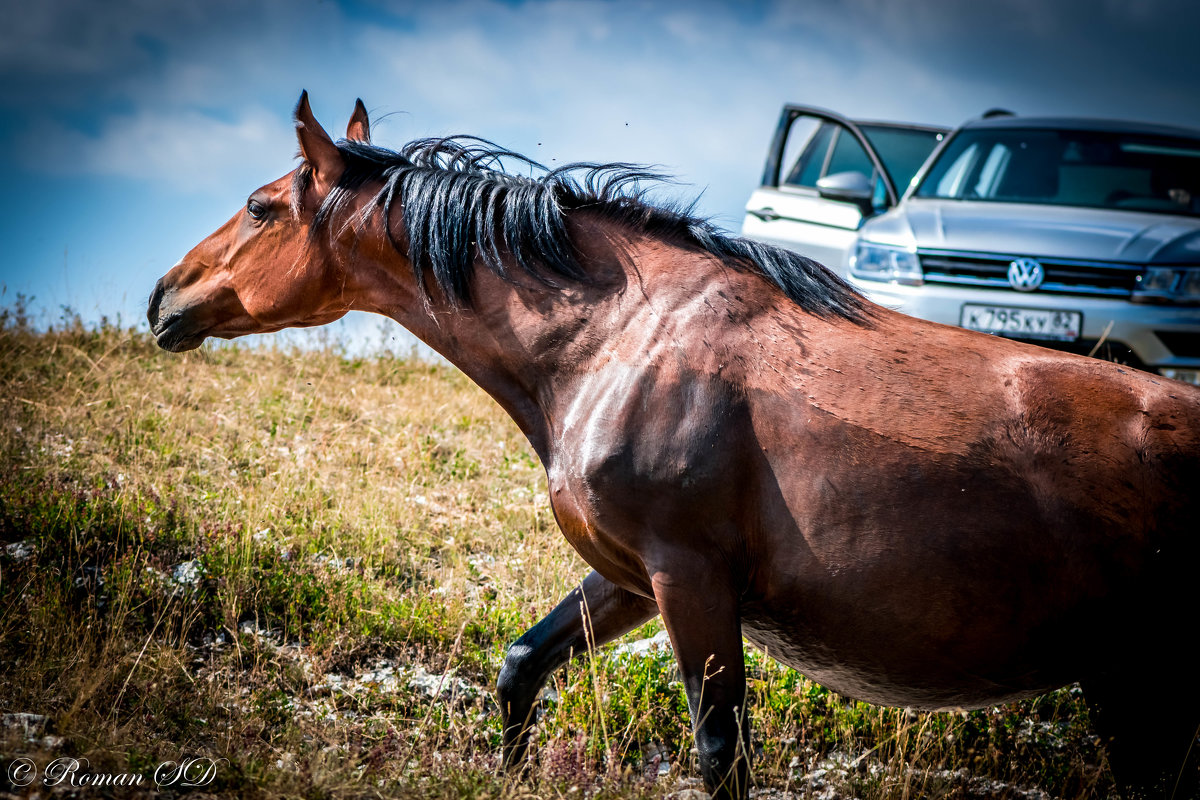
[{"x": 353, "y": 524}]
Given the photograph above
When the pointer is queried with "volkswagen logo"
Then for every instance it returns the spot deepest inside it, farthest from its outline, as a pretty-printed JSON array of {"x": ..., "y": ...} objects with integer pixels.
[{"x": 1025, "y": 274}]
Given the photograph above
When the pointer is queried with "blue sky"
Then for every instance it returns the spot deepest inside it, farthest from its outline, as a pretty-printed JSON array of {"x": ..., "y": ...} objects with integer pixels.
[{"x": 133, "y": 128}]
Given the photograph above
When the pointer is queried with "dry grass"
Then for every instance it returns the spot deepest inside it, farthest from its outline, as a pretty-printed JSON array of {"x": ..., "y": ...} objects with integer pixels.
[{"x": 309, "y": 566}]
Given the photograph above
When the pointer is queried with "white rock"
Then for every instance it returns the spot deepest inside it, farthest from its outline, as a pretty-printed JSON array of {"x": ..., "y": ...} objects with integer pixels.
[
  {"x": 188, "y": 573},
  {"x": 689, "y": 794},
  {"x": 20, "y": 551},
  {"x": 659, "y": 642},
  {"x": 446, "y": 684},
  {"x": 30, "y": 725}
]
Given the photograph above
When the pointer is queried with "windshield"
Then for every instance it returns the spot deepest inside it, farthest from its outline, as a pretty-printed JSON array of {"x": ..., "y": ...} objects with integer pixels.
[
  {"x": 1097, "y": 169},
  {"x": 902, "y": 150}
]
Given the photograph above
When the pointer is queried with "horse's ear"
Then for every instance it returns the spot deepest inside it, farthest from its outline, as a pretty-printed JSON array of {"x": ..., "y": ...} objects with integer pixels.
[
  {"x": 317, "y": 148},
  {"x": 359, "y": 129}
]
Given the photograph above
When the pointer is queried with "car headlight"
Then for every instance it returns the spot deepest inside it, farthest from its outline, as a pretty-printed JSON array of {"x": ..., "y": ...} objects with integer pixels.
[
  {"x": 879, "y": 262},
  {"x": 1168, "y": 284}
]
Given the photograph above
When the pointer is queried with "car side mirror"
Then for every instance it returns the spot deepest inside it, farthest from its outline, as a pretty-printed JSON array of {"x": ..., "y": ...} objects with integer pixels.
[{"x": 848, "y": 187}]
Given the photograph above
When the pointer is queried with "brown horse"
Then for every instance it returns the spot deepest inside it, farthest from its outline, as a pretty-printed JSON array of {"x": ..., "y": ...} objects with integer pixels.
[{"x": 910, "y": 514}]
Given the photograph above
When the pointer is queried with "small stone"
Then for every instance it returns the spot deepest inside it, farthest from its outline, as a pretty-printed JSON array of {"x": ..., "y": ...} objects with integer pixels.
[
  {"x": 20, "y": 551},
  {"x": 30, "y": 725},
  {"x": 188, "y": 573},
  {"x": 659, "y": 642},
  {"x": 689, "y": 794}
]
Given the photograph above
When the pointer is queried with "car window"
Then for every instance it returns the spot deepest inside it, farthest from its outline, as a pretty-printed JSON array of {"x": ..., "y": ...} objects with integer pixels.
[
  {"x": 808, "y": 166},
  {"x": 902, "y": 150},
  {"x": 994, "y": 166},
  {"x": 849, "y": 156},
  {"x": 879, "y": 195},
  {"x": 1097, "y": 169},
  {"x": 954, "y": 174}
]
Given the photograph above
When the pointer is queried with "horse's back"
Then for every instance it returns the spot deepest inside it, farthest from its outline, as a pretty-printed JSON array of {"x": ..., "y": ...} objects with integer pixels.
[{"x": 1140, "y": 430}]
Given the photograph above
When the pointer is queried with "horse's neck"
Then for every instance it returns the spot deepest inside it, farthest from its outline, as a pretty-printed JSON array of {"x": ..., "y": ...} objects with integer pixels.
[
  {"x": 510, "y": 342},
  {"x": 521, "y": 343}
]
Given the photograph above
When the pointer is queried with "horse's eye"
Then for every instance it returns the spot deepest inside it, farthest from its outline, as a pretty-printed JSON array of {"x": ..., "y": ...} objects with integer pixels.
[{"x": 255, "y": 209}]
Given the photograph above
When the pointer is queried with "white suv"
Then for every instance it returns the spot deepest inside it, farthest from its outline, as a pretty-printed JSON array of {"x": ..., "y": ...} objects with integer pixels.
[{"x": 1082, "y": 235}]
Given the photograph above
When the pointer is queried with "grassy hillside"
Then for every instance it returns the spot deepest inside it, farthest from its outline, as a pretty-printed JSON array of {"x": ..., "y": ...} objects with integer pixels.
[{"x": 308, "y": 567}]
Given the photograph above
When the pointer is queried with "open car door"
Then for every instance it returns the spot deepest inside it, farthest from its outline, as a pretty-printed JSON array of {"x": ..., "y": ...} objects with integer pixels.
[{"x": 826, "y": 174}]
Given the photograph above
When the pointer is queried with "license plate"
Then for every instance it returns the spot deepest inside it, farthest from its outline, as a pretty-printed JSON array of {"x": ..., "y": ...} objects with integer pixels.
[{"x": 1023, "y": 323}]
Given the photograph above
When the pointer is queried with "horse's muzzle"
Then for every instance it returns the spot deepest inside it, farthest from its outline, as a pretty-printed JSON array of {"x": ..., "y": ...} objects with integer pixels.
[{"x": 172, "y": 328}]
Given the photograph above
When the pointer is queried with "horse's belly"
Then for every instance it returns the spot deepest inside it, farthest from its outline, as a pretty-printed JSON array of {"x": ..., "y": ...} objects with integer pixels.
[{"x": 902, "y": 676}]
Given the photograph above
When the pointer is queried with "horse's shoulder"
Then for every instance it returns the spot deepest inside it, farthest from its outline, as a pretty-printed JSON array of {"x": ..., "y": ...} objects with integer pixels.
[{"x": 630, "y": 428}]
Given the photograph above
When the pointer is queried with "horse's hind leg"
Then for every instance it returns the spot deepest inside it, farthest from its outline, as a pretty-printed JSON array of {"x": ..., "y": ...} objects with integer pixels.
[
  {"x": 1150, "y": 729},
  {"x": 593, "y": 614}
]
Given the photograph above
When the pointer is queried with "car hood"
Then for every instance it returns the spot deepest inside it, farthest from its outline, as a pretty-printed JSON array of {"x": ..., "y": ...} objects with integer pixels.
[{"x": 1040, "y": 230}]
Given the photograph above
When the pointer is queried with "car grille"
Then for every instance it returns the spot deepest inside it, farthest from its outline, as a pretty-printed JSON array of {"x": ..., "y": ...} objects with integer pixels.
[{"x": 1063, "y": 275}]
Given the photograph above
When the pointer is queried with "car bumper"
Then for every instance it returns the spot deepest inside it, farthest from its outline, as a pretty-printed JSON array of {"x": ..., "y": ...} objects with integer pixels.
[{"x": 1135, "y": 325}]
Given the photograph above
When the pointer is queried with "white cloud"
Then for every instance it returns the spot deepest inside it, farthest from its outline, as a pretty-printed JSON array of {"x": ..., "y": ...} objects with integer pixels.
[
  {"x": 192, "y": 101},
  {"x": 557, "y": 82},
  {"x": 66, "y": 37},
  {"x": 187, "y": 151},
  {"x": 695, "y": 88}
]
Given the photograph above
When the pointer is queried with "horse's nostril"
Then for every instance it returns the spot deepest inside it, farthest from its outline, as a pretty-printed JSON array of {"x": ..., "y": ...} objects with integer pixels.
[{"x": 155, "y": 299}]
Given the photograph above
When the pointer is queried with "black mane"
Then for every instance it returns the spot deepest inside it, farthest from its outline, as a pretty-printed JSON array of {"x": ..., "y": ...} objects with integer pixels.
[{"x": 458, "y": 201}]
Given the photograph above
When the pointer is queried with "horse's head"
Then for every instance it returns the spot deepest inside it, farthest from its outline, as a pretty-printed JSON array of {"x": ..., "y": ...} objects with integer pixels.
[{"x": 259, "y": 272}]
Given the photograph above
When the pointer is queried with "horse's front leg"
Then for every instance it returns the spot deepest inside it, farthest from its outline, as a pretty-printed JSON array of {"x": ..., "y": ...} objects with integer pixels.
[
  {"x": 593, "y": 614},
  {"x": 700, "y": 611}
]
